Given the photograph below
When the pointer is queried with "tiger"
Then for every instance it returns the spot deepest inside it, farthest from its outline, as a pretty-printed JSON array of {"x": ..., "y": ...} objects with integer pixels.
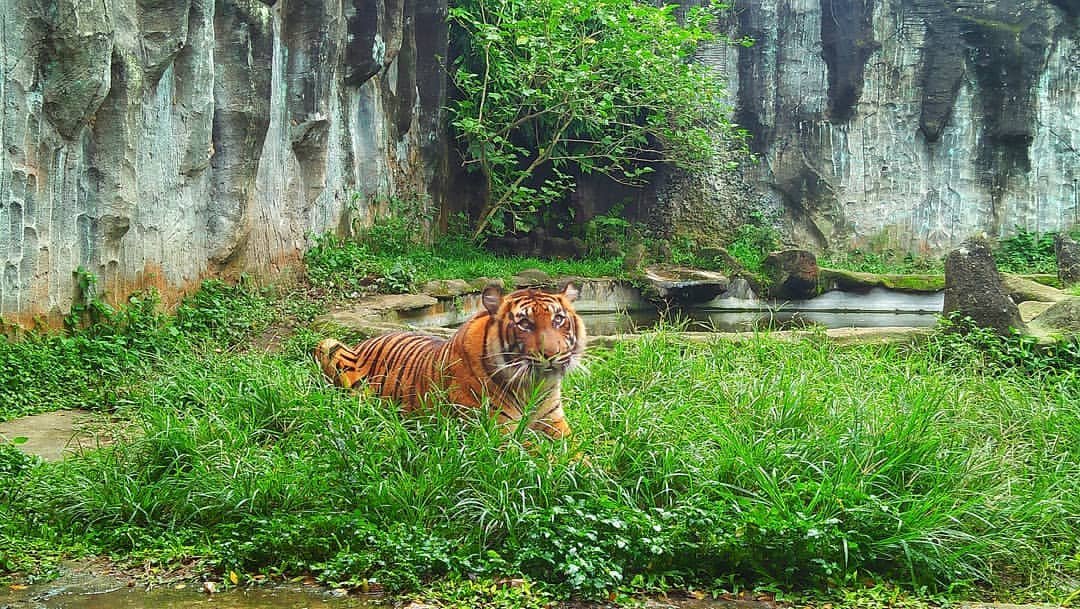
[{"x": 514, "y": 352}]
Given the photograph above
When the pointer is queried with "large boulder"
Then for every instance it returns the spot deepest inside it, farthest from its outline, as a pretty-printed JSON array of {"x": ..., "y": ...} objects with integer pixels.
[
  {"x": 973, "y": 288},
  {"x": 1067, "y": 251},
  {"x": 792, "y": 274}
]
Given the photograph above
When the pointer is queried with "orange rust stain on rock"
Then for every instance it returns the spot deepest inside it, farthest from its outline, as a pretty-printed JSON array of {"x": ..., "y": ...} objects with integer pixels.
[
  {"x": 282, "y": 269},
  {"x": 152, "y": 276}
]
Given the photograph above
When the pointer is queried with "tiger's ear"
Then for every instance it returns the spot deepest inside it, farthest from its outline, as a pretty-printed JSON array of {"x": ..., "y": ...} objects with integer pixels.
[
  {"x": 492, "y": 298},
  {"x": 570, "y": 292}
]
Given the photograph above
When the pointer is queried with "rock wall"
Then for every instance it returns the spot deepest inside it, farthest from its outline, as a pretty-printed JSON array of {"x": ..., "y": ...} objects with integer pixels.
[
  {"x": 909, "y": 124},
  {"x": 156, "y": 142}
]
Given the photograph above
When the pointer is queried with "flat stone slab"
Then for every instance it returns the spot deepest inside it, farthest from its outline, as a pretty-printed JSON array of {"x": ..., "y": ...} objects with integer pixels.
[
  {"x": 1021, "y": 289},
  {"x": 1030, "y": 309},
  {"x": 373, "y": 315},
  {"x": 1059, "y": 319},
  {"x": 383, "y": 303},
  {"x": 451, "y": 288},
  {"x": 53, "y": 435},
  {"x": 685, "y": 284}
]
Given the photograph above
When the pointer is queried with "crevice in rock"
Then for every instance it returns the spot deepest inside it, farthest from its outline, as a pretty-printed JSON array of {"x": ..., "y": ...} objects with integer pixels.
[{"x": 847, "y": 41}]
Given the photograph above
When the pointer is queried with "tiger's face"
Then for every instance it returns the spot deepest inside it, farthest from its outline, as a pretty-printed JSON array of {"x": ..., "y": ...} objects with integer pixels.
[{"x": 539, "y": 332}]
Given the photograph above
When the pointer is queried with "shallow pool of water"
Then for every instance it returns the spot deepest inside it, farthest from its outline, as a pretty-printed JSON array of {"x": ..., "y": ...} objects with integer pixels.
[
  {"x": 716, "y": 320},
  {"x": 874, "y": 309}
]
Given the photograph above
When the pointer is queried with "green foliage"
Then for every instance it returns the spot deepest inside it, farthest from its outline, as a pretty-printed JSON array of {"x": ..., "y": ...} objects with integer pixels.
[
  {"x": 380, "y": 256},
  {"x": 103, "y": 349},
  {"x": 13, "y": 463},
  {"x": 883, "y": 262},
  {"x": 398, "y": 225},
  {"x": 343, "y": 267},
  {"x": 223, "y": 313},
  {"x": 959, "y": 339},
  {"x": 758, "y": 463},
  {"x": 715, "y": 465},
  {"x": 610, "y": 228},
  {"x": 489, "y": 593},
  {"x": 569, "y": 87},
  {"x": 106, "y": 351},
  {"x": 753, "y": 242},
  {"x": 1026, "y": 252}
]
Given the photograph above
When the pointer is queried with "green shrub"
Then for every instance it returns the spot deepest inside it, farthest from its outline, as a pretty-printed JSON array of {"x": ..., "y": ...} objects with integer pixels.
[
  {"x": 1026, "y": 252},
  {"x": 753, "y": 242},
  {"x": 223, "y": 313},
  {"x": 529, "y": 120},
  {"x": 888, "y": 262},
  {"x": 960, "y": 340}
]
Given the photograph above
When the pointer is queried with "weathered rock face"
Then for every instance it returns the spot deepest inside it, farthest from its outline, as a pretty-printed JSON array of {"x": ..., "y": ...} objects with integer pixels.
[
  {"x": 910, "y": 124},
  {"x": 793, "y": 274},
  {"x": 155, "y": 142},
  {"x": 1067, "y": 252},
  {"x": 973, "y": 289}
]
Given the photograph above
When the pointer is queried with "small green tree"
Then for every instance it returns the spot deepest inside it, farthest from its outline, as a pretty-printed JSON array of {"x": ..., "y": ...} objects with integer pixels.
[{"x": 558, "y": 87}]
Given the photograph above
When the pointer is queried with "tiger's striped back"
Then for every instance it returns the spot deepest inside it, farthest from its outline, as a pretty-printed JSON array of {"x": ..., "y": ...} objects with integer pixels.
[
  {"x": 399, "y": 366},
  {"x": 512, "y": 355}
]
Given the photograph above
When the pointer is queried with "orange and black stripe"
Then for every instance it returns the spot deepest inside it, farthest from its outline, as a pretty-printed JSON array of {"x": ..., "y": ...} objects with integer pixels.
[{"x": 514, "y": 350}]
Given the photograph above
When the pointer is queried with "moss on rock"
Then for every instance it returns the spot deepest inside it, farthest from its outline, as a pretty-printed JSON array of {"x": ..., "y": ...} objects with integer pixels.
[{"x": 852, "y": 281}]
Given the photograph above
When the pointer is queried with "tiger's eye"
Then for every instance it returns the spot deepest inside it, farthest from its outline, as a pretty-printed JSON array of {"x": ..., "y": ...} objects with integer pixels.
[
  {"x": 558, "y": 320},
  {"x": 524, "y": 324}
]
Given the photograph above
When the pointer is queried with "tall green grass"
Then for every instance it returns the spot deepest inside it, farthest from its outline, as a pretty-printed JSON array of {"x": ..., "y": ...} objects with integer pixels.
[
  {"x": 342, "y": 266},
  {"x": 799, "y": 465}
]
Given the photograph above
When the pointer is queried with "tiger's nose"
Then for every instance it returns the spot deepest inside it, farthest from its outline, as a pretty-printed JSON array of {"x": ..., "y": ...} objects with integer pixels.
[{"x": 550, "y": 346}]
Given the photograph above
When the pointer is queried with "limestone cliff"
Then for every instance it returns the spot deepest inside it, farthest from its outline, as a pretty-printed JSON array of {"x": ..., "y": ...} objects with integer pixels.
[
  {"x": 910, "y": 124},
  {"x": 155, "y": 142}
]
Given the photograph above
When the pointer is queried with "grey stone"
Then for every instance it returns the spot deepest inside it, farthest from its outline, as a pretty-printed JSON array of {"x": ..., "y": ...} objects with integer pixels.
[
  {"x": 1067, "y": 251},
  {"x": 447, "y": 288},
  {"x": 55, "y": 435},
  {"x": 1061, "y": 318},
  {"x": 480, "y": 283},
  {"x": 973, "y": 289},
  {"x": 893, "y": 154},
  {"x": 741, "y": 289},
  {"x": 1020, "y": 290},
  {"x": 792, "y": 274},
  {"x": 529, "y": 278},
  {"x": 1030, "y": 309},
  {"x": 842, "y": 336},
  {"x": 152, "y": 143},
  {"x": 684, "y": 285},
  {"x": 77, "y": 72}
]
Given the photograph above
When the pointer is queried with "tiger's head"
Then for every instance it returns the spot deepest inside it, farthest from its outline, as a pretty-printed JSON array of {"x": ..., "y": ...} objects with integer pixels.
[{"x": 538, "y": 332}]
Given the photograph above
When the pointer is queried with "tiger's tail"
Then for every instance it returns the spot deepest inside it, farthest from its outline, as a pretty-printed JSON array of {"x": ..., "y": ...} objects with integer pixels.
[{"x": 327, "y": 355}]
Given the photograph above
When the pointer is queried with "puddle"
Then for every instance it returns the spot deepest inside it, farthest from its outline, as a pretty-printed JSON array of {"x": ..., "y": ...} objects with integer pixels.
[
  {"x": 83, "y": 588},
  {"x": 158, "y": 598}
]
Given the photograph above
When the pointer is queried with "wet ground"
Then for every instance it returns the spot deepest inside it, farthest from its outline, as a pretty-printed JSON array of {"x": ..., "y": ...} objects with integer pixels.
[{"x": 93, "y": 585}]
